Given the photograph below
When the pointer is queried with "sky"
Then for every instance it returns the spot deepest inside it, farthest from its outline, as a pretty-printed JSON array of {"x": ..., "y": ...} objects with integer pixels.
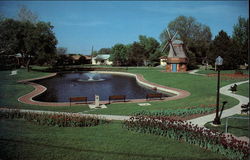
[{"x": 79, "y": 25}]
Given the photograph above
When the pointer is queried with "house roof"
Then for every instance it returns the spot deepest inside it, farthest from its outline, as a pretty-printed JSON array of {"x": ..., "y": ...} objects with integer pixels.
[
  {"x": 102, "y": 56},
  {"x": 178, "y": 50},
  {"x": 87, "y": 57},
  {"x": 76, "y": 57},
  {"x": 163, "y": 57}
]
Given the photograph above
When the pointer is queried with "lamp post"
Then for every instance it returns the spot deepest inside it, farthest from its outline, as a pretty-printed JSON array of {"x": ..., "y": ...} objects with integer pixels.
[{"x": 218, "y": 63}]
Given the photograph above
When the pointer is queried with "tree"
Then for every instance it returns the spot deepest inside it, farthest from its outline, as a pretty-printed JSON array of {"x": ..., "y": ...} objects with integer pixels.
[
  {"x": 240, "y": 37},
  {"x": 150, "y": 46},
  {"x": 135, "y": 54},
  {"x": 25, "y": 14},
  {"x": 61, "y": 50},
  {"x": 119, "y": 54},
  {"x": 196, "y": 37},
  {"x": 104, "y": 51},
  {"x": 46, "y": 50},
  {"x": 8, "y": 35},
  {"x": 223, "y": 46},
  {"x": 32, "y": 41}
]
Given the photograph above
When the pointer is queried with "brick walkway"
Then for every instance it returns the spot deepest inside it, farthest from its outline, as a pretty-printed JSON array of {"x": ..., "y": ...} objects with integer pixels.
[{"x": 27, "y": 99}]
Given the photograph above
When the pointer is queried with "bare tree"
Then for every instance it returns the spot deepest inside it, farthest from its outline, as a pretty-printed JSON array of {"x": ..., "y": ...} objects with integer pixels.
[{"x": 25, "y": 14}]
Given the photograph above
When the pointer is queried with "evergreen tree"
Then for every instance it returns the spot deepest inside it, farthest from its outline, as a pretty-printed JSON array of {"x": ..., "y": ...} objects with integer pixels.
[{"x": 223, "y": 46}]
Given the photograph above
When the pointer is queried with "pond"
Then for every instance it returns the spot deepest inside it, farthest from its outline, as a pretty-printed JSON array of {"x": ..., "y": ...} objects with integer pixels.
[{"x": 88, "y": 84}]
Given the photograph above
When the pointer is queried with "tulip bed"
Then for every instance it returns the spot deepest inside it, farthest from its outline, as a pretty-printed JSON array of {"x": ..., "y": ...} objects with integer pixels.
[
  {"x": 175, "y": 112},
  {"x": 192, "y": 134},
  {"x": 60, "y": 120}
]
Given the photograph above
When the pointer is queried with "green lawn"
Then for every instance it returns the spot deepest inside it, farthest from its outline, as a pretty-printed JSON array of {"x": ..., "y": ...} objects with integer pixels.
[
  {"x": 23, "y": 140},
  {"x": 243, "y": 89},
  {"x": 222, "y": 71},
  {"x": 238, "y": 127},
  {"x": 202, "y": 89}
]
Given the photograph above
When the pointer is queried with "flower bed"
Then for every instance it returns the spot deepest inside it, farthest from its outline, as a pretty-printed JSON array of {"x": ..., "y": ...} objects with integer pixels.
[
  {"x": 182, "y": 130},
  {"x": 175, "y": 112},
  {"x": 60, "y": 120},
  {"x": 228, "y": 77}
]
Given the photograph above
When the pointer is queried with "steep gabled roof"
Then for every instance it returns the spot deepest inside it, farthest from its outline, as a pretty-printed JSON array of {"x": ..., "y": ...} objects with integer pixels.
[{"x": 178, "y": 48}]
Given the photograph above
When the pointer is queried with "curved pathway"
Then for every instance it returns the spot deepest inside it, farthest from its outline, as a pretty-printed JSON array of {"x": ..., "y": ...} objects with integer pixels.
[
  {"x": 201, "y": 121},
  {"x": 194, "y": 72}
]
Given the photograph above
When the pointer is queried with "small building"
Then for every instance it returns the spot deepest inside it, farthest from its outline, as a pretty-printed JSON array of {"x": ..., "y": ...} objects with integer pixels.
[
  {"x": 163, "y": 60},
  {"x": 102, "y": 59},
  {"x": 88, "y": 59},
  {"x": 75, "y": 58},
  {"x": 176, "y": 59}
]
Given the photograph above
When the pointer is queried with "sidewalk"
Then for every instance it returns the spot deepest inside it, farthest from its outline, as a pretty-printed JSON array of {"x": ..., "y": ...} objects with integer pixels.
[{"x": 201, "y": 121}]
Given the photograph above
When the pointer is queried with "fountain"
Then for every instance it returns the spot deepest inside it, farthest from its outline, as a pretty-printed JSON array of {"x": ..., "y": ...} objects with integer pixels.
[{"x": 92, "y": 77}]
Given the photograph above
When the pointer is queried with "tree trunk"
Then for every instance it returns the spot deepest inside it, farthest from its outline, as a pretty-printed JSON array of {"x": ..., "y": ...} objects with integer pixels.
[{"x": 28, "y": 65}]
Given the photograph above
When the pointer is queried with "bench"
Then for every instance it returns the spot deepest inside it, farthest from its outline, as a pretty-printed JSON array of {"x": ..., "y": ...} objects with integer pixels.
[
  {"x": 117, "y": 97},
  {"x": 153, "y": 96},
  {"x": 233, "y": 88},
  {"x": 245, "y": 108},
  {"x": 78, "y": 99}
]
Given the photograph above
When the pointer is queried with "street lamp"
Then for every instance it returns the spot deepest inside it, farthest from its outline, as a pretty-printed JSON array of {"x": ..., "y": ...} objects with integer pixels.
[{"x": 218, "y": 63}]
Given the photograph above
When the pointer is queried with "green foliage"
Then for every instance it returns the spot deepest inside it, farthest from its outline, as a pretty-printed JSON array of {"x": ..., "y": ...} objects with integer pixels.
[
  {"x": 104, "y": 51},
  {"x": 136, "y": 57},
  {"x": 223, "y": 46},
  {"x": 240, "y": 37},
  {"x": 119, "y": 54},
  {"x": 35, "y": 41},
  {"x": 150, "y": 46}
]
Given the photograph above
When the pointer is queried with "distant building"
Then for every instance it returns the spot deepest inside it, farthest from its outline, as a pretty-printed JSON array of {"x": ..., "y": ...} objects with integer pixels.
[
  {"x": 102, "y": 59},
  {"x": 163, "y": 60},
  {"x": 75, "y": 58},
  {"x": 88, "y": 59},
  {"x": 177, "y": 59}
]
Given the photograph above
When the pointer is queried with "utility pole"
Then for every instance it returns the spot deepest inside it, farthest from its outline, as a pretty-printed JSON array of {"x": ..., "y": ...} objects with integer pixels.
[{"x": 92, "y": 50}]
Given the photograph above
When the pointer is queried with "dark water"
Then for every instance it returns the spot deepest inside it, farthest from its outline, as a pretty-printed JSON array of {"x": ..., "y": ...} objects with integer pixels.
[{"x": 63, "y": 86}]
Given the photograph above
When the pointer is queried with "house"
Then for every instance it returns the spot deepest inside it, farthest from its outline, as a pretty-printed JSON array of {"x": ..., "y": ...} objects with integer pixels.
[
  {"x": 88, "y": 59},
  {"x": 163, "y": 60},
  {"x": 102, "y": 59},
  {"x": 75, "y": 58}
]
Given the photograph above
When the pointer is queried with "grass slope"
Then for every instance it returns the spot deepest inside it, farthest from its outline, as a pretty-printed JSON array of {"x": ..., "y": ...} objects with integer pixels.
[
  {"x": 238, "y": 127},
  {"x": 23, "y": 140},
  {"x": 243, "y": 89}
]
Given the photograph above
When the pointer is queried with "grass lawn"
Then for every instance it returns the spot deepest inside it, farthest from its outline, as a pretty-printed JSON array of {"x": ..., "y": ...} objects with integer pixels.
[
  {"x": 202, "y": 89},
  {"x": 243, "y": 89},
  {"x": 238, "y": 127},
  {"x": 23, "y": 140},
  {"x": 222, "y": 71}
]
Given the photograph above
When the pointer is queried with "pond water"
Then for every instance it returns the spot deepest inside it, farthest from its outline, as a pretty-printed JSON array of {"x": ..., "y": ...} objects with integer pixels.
[{"x": 65, "y": 85}]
